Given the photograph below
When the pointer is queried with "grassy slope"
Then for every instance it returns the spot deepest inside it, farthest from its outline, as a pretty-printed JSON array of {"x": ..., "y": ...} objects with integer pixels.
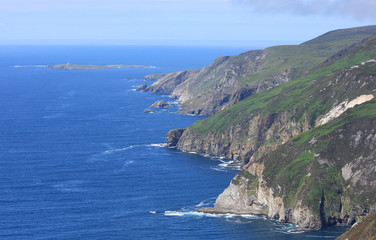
[
  {"x": 295, "y": 165},
  {"x": 365, "y": 230},
  {"x": 308, "y": 54},
  {"x": 308, "y": 97},
  {"x": 302, "y": 94}
]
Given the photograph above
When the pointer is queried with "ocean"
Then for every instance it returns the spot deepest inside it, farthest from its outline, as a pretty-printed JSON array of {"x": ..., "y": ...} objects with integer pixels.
[{"x": 79, "y": 159}]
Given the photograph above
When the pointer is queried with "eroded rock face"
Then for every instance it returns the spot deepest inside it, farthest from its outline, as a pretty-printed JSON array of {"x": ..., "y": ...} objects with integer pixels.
[
  {"x": 173, "y": 136},
  {"x": 247, "y": 194},
  {"x": 160, "y": 104},
  {"x": 350, "y": 149},
  {"x": 168, "y": 82},
  {"x": 336, "y": 111},
  {"x": 154, "y": 77},
  {"x": 142, "y": 87},
  {"x": 241, "y": 144},
  {"x": 149, "y": 111}
]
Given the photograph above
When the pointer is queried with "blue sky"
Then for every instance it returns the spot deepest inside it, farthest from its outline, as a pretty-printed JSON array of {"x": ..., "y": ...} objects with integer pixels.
[{"x": 177, "y": 22}]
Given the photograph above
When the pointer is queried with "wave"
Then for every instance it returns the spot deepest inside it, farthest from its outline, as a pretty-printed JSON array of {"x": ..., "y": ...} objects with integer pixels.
[
  {"x": 219, "y": 169},
  {"x": 101, "y": 156},
  {"x": 69, "y": 186},
  {"x": 223, "y": 166},
  {"x": 135, "y": 146},
  {"x": 30, "y": 66},
  {"x": 57, "y": 115},
  {"x": 213, "y": 215}
]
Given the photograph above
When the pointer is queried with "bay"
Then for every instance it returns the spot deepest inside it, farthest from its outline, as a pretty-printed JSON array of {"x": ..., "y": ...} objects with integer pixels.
[{"x": 81, "y": 160}]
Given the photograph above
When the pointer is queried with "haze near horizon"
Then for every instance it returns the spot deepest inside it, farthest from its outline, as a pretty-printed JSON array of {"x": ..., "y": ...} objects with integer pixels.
[{"x": 170, "y": 22}]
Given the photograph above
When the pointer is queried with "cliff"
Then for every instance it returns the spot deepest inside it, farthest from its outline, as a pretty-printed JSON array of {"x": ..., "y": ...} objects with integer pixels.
[
  {"x": 320, "y": 178},
  {"x": 266, "y": 120},
  {"x": 307, "y": 146},
  {"x": 365, "y": 230},
  {"x": 230, "y": 79}
]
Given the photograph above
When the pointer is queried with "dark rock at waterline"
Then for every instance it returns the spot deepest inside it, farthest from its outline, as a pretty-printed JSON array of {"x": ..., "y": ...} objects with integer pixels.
[
  {"x": 160, "y": 104},
  {"x": 173, "y": 136},
  {"x": 142, "y": 87},
  {"x": 149, "y": 111}
]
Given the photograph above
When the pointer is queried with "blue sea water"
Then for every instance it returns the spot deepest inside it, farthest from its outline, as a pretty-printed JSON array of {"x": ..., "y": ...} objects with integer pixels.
[{"x": 79, "y": 159}]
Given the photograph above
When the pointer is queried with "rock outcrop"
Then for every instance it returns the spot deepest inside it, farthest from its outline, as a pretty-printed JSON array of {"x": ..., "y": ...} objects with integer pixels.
[
  {"x": 142, "y": 87},
  {"x": 154, "y": 77},
  {"x": 168, "y": 82},
  {"x": 365, "y": 230},
  {"x": 160, "y": 104},
  {"x": 149, "y": 111},
  {"x": 173, "y": 137}
]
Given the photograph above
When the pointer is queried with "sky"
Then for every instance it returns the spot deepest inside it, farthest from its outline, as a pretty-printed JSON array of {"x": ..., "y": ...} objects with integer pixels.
[{"x": 177, "y": 22}]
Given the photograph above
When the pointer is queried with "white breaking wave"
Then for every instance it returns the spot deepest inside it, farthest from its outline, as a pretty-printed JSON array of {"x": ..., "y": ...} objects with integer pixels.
[
  {"x": 157, "y": 145},
  {"x": 219, "y": 169},
  {"x": 135, "y": 146},
  {"x": 105, "y": 155},
  {"x": 69, "y": 186},
  {"x": 201, "y": 214},
  {"x": 223, "y": 166},
  {"x": 56, "y": 115}
]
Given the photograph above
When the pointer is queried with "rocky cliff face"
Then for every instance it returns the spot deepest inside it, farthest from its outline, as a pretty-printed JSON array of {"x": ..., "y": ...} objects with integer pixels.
[
  {"x": 230, "y": 79},
  {"x": 167, "y": 83},
  {"x": 308, "y": 145},
  {"x": 241, "y": 141},
  {"x": 264, "y": 121},
  {"x": 365, "y": 230},
  {"x": 311, "y": 181}
]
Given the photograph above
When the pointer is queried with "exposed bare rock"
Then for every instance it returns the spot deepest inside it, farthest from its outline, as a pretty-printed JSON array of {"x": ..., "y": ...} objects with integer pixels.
[
  {"x": 168, "y": 82},
  {"x": 365, "y": 230},
  {"x": 142, "y": 87},
  {"x": 160, "y": 104},
  {"x": 173, "y": 136},
  {"x": 336, "y": 111},
  {"x": 154, "y": 77},
  {"x": 149, "y": 111}
]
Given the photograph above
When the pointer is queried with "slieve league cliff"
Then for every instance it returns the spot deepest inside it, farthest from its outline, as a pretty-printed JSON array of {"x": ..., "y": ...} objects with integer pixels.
[{"x": 300, "y": 119}]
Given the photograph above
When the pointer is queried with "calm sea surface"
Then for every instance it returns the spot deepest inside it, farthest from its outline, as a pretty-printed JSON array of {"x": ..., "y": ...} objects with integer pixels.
[{"x": 79, "y": 159}]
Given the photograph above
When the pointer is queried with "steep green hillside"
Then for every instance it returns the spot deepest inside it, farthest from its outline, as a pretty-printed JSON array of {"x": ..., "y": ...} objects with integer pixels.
[
  {"x": 322, "y": 177},
  {"x": 308, "y": 95},
  {"x": 308, "y": 145},
  {"x": 365, "y": 230},
  {"x": 229, "y": 80},
  {"x": 312, "y": 167},
  {"x": 346, "y": 36}
]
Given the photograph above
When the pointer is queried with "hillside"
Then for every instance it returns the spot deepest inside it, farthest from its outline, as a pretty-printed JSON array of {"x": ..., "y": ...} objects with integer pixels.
[
  {"x": 308, "y": 145},
  {"x": 230, "y": 79},
  {"x": 365, "y": 230}
]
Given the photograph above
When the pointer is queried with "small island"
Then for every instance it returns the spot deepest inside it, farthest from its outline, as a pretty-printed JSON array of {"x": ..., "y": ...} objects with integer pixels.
[{"x": 69, "y": 66}]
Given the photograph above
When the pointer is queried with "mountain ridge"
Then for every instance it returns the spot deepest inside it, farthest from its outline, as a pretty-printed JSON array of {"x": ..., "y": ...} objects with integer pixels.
[
  {"x": 230, "y": 79},
  {"x": 263, "y": 129}
]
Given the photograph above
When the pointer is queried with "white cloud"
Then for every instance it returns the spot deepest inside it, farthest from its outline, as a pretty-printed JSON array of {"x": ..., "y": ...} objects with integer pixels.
[{"x": 358, "y": 9}]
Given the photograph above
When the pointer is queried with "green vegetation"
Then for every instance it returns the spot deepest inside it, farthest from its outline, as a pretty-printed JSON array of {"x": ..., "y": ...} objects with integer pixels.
[
  {"x": 295, "y": 167},
  {"x": 307, "y": 96},
  {"x": 365, "y": 230},
  {"x": 302, "y": 57},
  {"x": 307, "y": 169},
  {"x": 343, "y": 36}
]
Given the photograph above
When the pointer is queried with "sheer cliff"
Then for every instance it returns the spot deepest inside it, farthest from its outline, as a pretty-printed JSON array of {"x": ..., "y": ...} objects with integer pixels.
[
  {"x": 307, "y": 146},
  {"x": 230, "y": 79}
]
